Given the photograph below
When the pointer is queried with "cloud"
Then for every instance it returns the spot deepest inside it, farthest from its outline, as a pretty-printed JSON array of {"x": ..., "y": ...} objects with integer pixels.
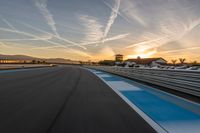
[
  {"x": 112, "y": 18},
  {"x": 31, "y": 35},
  {"x": 144, "y": 42},
  {"x": 3, "y": 44},
  {"x": 80, "y": 53},
  {"x": 8, "y": 23},
  {"x": 117, "y": 37},
  {"x": 35, "y": 37},
  {"x": 104, "y": 53},
  {"x": 94, "y": 33},
  {"x": 178, "y": 50},
  {"x": 15, "y": 45},
  {"x": 58, "y": 37},
  {"x": 119, "y": 13},
  {"x": 130, "y": 11},
  {"x": 146, "y": 54},
  {"x": 93, "y": 29},
  {"x": 193, "y": 24},
  {"x": 170, "y": 30},
  {"x": 29, "y": 39},
  {"x": 177, "y": 29},
  {"x": 42, "y": 6}
]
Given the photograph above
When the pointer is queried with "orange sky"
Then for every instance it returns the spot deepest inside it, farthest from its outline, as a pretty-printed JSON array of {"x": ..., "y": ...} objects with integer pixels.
[{"x": 79, "y": 31}]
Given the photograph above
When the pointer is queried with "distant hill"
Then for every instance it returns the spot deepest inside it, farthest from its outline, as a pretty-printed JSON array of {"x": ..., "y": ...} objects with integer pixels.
[
  {"x": 17, "y": 57},
  {"x": 25, "y": 57}
]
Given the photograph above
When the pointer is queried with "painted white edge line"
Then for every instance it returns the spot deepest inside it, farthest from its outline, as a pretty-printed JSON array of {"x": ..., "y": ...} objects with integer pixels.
[
  {"x": 152, "y": 123},
  {"x": 172, "y": 95},
  {"x": 169, "y": 94}
]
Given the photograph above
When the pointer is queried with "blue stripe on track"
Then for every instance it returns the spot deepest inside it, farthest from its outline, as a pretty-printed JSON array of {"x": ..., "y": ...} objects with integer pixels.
[
  {"x": 111, "y": 79},
  {"x": 174, "y": 114},
  {"x": 159, "y": 109}
]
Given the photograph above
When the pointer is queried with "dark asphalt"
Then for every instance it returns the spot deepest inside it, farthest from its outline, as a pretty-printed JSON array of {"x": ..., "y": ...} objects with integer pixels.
[{"x": 63, "y": 100}]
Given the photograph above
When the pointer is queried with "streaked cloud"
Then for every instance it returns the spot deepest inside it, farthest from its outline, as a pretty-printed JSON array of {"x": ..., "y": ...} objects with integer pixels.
[
  {"x": 29, "y": 39},
  {"x": 58, "y": 37},
  {"x": 112, "y": 18},
  {"x": 129, "y": 9},
  {"x": 130, "y": 27},
  {"x": 176, "y": 29},
  {"x": 31, "y": 35},
  {"x": 144, "y": 42},
  {"x": 178, "y": 50},
  {"x": 104, "y": 53},
  {"x": 8, "y": 23},
  {"x": 93, "y": 29},
  {"x": 42, "y": 6},
  {"x": 117, "y": 37},
  {"x": 119, "y": 13}
]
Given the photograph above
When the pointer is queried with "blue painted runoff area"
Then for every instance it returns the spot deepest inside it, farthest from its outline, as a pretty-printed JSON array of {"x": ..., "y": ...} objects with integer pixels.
[{"x": 170, "y": 112}]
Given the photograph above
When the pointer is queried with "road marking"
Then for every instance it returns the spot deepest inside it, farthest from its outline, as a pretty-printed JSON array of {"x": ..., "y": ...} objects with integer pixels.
[
  {"x": 104, "y": 75},
  {"x": 152, "y": 123},
  {"x": 122, "y": 86},
  {"x": 161, "y": 113}
]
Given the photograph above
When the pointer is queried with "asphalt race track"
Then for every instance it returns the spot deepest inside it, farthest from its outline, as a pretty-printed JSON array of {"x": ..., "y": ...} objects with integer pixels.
[{"x": 63, "y": 100}]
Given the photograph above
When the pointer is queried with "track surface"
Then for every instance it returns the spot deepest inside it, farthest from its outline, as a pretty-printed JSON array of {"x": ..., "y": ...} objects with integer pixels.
[{"x": 63, "y": 100}]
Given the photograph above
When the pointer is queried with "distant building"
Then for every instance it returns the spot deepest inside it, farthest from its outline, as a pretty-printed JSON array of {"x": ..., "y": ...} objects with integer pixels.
[
  {"x": 119, "y": 58},
  {"x": 147, "y": 61},
  {"x": 107, "y": 62}
]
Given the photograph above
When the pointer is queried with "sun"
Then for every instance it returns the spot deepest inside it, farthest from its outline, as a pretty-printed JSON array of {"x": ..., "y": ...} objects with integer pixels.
[{"x": 142, "y": 55}]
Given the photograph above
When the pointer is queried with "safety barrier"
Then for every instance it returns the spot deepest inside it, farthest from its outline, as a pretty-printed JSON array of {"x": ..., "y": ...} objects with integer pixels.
[{"x": 180, "y": 80}]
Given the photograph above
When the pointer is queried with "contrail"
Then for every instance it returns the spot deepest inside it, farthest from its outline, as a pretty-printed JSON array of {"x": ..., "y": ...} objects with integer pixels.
[
  {"x": 195, "y": 23},
  {"x": 178, "y": 50},
  {"x": 58, "y": 37},
  {"x": 130, "y": 11},
  {"x": 119, "y": 13},
  {"x": 3, "y": 44},
  {"x": 116, "y": 37},
  {"x": 94, "y": 31},
  {"x": 75, "y": 44},
  {"x": 7, "y": 45},
  {"x": 8, "y": 23},
  {"x": 145, "y": 42},
  {"x": 74, "y": 51},
  {"x": 48, "y": 47},
  {"x": 30, "y": 35},
  {"x": 121, "y": 36},
  {"x": 42, "y": 6},
  {"x": 176, "y": 30},
  {"x": 27, "y": 39},
  {"x": 112, "y": 18},
  {"x": 14, "y": 30}
]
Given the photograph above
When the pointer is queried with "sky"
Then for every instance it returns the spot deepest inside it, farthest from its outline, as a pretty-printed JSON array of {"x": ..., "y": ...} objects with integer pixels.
[{"x": 99, "y": 29}]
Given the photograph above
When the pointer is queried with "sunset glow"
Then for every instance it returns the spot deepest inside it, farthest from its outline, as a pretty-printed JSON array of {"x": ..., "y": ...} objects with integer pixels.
[{"x": 99, "y": 29}]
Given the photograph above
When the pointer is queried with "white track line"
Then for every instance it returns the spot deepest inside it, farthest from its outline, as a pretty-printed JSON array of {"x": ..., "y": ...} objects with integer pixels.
[{"x": 152, "y": 123}]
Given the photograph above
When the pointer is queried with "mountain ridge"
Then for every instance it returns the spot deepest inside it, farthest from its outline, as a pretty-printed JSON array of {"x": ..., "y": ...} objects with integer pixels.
[{"x": 26, "y": 57}]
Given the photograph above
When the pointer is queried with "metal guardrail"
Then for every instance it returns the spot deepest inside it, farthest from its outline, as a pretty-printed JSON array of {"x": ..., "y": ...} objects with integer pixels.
[{"x": 183, "y": 81}]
